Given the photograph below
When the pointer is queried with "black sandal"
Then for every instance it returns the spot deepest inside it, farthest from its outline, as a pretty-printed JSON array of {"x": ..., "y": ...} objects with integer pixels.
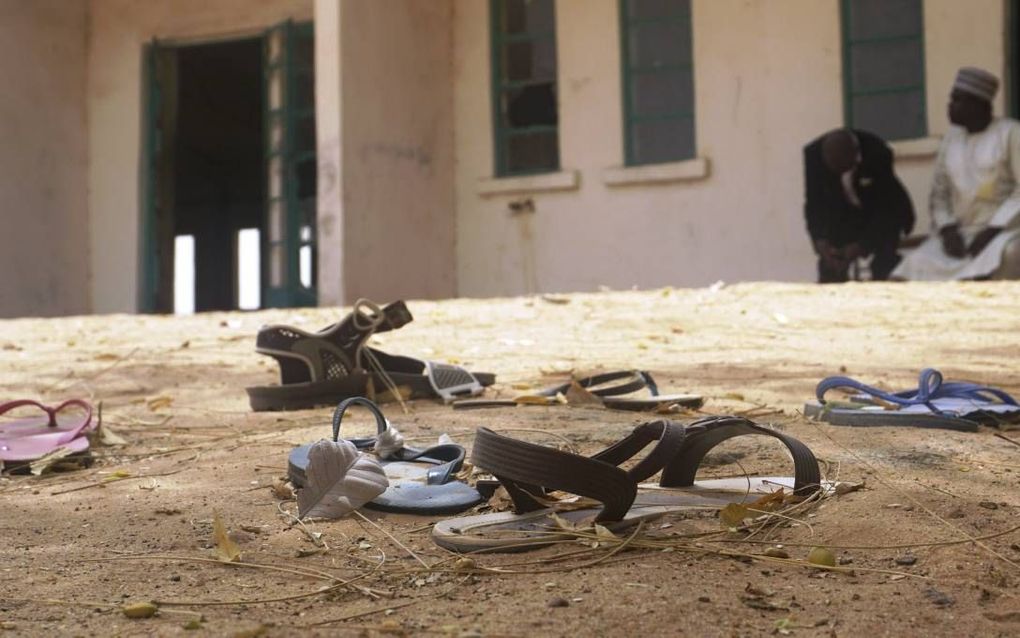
[
  {"x": 610, "y": 395},
  {"x": 324, "y": 368},
  {"x": 529, "y": 472}
]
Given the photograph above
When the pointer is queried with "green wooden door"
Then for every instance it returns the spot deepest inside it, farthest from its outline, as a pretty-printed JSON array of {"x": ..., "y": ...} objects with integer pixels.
[
  {"x": 289, "y": 263},
  {"x": 155, "y": 256}
]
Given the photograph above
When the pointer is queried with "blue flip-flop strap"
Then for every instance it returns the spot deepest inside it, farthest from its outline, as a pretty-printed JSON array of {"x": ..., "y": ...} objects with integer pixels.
[
  {"x": 831, "y": 383},
  {"x": 929, "y": 382},
  {"x": 930, "y": 387},
  {"x": 964, "y": 390}
]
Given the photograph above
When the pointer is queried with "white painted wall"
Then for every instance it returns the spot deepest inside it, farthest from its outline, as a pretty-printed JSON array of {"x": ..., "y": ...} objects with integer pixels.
[
  {"x": 43, "y": 148},
  {"x": 396, "y": 142},
  {"x": 119, "y": 29},
  {"x": 767, "y": 81}
]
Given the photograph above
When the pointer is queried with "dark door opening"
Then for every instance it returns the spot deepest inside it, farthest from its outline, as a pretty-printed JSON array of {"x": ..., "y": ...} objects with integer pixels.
[
  {"x": 229, "y": 174},
  {"x": 218, "y": 168}
]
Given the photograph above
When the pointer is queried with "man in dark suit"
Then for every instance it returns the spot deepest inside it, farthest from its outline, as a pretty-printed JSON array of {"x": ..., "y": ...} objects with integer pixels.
[{"x": 854, "y": 204}]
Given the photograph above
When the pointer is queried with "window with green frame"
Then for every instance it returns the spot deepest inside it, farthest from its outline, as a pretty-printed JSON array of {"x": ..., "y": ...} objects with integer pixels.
[
  {"x": 883, "y": 67},
  {"x": 525, "y": 114},
  {"x": 658, "y": 80}
]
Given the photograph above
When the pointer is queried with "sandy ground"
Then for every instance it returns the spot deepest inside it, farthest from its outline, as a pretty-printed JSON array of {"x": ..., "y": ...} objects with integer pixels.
[{"x": 137, "y": 525}]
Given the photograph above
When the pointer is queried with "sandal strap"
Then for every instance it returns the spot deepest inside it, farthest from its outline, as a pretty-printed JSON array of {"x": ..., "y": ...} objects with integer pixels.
[
  {"x": 633, "y": 380},
  {"x": 930, "y": 387},
  {"x": 528, "y": 470},
  {"x": 705, "y": 434},
  {"x": 52, "y": 412},
  {"x": 670, "y": 437},
  {"x": 453, "y": 455},
  {"x": 333, "y": 352}
]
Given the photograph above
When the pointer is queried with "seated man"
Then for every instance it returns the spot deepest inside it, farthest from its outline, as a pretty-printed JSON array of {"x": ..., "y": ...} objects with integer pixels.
[
  {"x": 975, "y": 196},
  {"x": 855, "y": 206}
]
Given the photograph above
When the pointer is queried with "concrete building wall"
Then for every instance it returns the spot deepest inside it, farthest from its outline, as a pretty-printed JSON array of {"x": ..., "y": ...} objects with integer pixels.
[
  {"x": 43, "y": 158},
  {"x": 396, "y": 143},
  {"x": 119, "y": 30},
  {"x": 767, "y": 81}
]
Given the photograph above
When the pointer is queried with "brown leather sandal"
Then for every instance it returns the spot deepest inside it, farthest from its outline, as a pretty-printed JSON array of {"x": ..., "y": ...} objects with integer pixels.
[
  {"x": 323, "y": 368},
  {"x": 529, "y": 472}
]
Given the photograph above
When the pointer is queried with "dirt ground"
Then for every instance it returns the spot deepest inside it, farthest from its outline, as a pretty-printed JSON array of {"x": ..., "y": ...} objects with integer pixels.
[{"x": 137, "y": 525}]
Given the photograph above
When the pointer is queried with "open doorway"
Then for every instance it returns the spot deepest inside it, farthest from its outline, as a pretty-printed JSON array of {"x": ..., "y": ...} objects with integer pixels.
[
  {"x": 219, "y": 184},
  {"x": 228, "y": 218}
]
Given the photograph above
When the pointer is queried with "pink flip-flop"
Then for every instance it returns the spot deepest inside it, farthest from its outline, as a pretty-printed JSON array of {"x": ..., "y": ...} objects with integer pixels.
[{"x": 29, "y": 438}]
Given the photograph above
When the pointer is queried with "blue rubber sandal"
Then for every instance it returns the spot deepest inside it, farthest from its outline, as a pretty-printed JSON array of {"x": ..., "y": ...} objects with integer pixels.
[
  {"x": 421, "y": 481},
  {"x": 954, "y": 405}
]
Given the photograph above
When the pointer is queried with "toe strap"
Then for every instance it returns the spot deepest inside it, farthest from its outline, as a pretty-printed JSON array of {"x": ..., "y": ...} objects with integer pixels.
[
  {"x": 705, "y": 434},
  {"x": 526, "y": 470}
]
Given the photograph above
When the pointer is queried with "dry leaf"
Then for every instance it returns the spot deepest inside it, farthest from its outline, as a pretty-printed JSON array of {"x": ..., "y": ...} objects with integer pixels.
[
  {"x": 567, "y": 525},
  {"x": 117, "y": 475},
  {"x": 733, "y": 515},
  {"x": 254, "y": 632},
  {"x": 822, "y": 556},
  {"x": 500, "y": 500},
  {"x": 846, "y": 488},
  {"x": 464, "y": 564},
  {"x": 140, "y": 610},
  {"x": 534, "y": 399},
  {"x": 282, "y": 490},
  {"x": 563, "y": 523},
  {"x": 605, "y": 536},
  {"x": 106, "y": 356},
  {"x": 578, "y": 395},
  {"x": 105, "y": 436},
  {"x": 226, "y": 550},
  {"x": 49, "y": 461},
  {"x": 566, "y": 502},
  {"x": 340, "y": 479},
  {"x": 158, "y": 403},
  {"x": 769, "y": 502},
  {"x": 776, "y": 552}
]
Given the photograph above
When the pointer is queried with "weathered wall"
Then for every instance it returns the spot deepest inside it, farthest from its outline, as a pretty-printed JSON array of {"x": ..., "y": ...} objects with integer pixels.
[
  {"x": 396, "y": 149},
  {"x": 767, "y": 80},
  {"x": 119, "y": 31},
  {"x": 43, "y": 147},
  {"x": 328, "y": 126}
]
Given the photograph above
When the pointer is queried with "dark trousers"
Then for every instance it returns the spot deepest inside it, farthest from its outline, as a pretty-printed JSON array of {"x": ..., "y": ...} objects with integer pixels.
[{"x": 884, "y": 260}]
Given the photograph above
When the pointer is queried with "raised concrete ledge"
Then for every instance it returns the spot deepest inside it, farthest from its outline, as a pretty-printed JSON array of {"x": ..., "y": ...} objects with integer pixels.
[{"x": 686, "y": 171}]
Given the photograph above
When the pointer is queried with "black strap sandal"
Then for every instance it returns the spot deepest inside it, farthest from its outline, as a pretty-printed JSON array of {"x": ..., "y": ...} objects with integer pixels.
[
  {"x": 609, "y": 387},
  {"x": 529, "y": 472},
  {"x": 328, "y": 366}
]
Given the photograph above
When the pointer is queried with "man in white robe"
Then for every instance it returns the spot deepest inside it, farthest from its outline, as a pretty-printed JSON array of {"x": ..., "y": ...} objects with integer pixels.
[{"x": 975, "y": 197}]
